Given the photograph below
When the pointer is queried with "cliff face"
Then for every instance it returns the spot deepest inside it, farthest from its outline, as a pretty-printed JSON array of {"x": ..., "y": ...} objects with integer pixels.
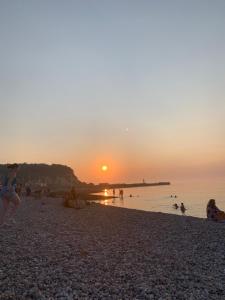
[{"x": 41, "y": 175}]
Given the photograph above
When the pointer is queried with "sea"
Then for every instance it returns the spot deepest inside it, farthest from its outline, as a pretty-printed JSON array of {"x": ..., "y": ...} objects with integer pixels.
[{"x": 194, "y": 194}]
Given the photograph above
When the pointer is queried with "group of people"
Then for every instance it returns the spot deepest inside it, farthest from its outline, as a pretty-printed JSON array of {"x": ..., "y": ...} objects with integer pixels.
[
  {"x": 212, "y": 211},
  {"x": 182, "y": 207}
]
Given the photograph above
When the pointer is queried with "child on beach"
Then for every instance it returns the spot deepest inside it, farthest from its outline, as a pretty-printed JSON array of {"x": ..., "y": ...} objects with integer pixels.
[{"x": 8, "y": 193}]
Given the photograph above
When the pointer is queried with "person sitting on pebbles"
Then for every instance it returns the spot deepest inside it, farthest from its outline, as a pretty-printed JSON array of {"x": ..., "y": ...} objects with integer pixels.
[{"x": 214, "y": 213}]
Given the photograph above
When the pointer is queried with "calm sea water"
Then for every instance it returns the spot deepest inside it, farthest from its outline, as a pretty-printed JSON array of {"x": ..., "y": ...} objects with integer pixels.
[{"x": 194, "y": 195}]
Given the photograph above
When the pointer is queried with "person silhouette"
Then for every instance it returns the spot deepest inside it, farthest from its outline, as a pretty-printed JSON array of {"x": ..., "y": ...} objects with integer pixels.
[
  {"x": 214, "y": 213},
  {"x": 182, "y": 208},
  {"x": 121, "y": 194},
  {"x": 8, "y": 193},
  {"x": 175, "y": 206}
]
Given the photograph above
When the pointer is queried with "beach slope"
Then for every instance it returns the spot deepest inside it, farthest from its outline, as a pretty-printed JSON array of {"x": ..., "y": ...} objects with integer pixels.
[{"x": 103, "y": 252}]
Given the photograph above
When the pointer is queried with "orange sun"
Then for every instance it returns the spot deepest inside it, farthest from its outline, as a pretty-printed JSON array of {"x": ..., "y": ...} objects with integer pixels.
[{"x": 104, "y": 168}]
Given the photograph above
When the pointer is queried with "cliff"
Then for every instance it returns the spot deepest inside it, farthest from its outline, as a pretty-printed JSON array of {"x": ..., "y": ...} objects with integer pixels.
[{"x": 40, "y": 175}]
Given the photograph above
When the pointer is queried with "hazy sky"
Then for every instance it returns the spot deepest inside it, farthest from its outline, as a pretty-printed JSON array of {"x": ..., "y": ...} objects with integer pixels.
[{"x": 138, "y": 85}]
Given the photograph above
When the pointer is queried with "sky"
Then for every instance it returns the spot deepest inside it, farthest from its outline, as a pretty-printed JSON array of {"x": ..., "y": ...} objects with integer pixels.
[{"x": 136, "y": 85}]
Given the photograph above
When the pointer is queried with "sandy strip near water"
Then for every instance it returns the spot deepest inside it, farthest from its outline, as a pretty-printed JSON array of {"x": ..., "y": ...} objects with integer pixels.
[{"x": 104, "y": 252}]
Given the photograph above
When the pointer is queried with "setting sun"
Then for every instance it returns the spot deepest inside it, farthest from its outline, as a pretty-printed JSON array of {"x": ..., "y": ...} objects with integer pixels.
[{"x": 104, "y": 168}]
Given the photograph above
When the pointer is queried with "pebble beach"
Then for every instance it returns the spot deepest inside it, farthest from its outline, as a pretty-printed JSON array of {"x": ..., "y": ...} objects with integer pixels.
[{"x": 103, "y": 252}]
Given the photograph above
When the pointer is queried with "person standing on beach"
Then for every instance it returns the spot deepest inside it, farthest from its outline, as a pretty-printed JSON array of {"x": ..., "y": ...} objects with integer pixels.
[
  {"x": 8, "y": 193},
  {"x": 121, "y": 194}
]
